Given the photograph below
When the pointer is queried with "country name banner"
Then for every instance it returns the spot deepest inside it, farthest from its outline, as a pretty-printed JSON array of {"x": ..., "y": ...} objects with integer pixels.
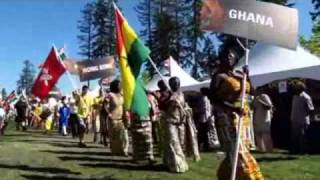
[
  {"x": 96, "y": 69},
  {"x": 261, "y": 21}
]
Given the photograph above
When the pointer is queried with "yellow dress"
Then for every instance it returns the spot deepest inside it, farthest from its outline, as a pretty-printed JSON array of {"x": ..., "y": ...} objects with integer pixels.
[
  {"x": 97, "y": 108},
  {"x": 37, "y": 111},
  {"x": 227, "y": 89}
]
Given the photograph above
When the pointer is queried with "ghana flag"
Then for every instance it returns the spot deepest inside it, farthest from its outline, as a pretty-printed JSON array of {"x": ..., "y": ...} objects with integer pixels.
[{"x": 132, "y": 54}]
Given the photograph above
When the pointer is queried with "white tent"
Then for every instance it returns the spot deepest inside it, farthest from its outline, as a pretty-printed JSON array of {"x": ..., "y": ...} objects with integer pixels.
[
  {"x": 268, "y": 63},
  {"x": 197, "y": 87},
  {"x": 174, "y": 71}
]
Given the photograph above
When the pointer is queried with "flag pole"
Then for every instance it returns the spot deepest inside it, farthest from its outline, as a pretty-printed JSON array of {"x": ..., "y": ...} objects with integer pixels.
[
  {"x": 77, "y": 85},
  {"x": 240, "y": 118},
  {"x": 68, "y": 73},
  {"x": 158, "y": 71}
]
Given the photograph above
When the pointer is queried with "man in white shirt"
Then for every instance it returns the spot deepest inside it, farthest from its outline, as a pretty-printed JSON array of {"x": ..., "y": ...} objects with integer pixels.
[{"x": 302, "y": 109}]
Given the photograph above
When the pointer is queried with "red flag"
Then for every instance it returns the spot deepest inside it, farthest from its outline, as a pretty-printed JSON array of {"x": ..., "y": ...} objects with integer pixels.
[{"x": 51, "y": 70}]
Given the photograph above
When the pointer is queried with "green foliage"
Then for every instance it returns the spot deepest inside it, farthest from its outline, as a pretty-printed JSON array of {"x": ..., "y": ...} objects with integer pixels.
[
  {"x": 85, "y": 26},
  {"x": 26, "y": 77},
  {"x": 104, "y": 26},
  {"x": 313, "y": 44},
  {"x": 33, "y": 155},
  {"x": 97, "y": 30},
  {"x": 316, "y": 13},
  {"x": 171, "y": 28}
]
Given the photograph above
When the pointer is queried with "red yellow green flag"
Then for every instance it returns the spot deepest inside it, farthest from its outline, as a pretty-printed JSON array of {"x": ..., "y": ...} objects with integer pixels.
[{"x": 132, "y": 54}]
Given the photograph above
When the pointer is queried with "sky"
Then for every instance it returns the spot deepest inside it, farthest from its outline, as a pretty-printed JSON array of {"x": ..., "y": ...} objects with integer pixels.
[{"x": 29, "y": 28}]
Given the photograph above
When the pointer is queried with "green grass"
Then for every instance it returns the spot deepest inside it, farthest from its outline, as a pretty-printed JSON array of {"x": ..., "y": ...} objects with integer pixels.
[{"x": 32, "y": 155}]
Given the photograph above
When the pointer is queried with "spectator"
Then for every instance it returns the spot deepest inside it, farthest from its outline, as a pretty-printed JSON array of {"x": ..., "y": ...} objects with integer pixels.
[
  {"x": 302, "y": 109},
  {"x": 262, "y": 115}
]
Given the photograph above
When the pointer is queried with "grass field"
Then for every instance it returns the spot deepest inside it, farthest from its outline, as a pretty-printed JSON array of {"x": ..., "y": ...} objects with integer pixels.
[{"x": 32, "y": 155}]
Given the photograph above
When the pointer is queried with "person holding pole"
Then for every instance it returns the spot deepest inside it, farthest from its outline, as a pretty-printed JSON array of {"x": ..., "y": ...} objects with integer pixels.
[{"x": 225, "y": 95}]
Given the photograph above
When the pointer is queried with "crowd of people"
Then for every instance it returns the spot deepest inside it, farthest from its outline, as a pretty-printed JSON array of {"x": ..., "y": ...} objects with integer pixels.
[
  {"x": 169, "y": 128},
  {"x": 173, "y": 128}
]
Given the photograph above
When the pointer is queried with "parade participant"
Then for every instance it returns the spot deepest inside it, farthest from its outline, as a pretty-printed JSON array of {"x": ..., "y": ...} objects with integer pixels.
[
  {"x": 225, "y": 94},
  {"x": 84, "y": 109},
  {"x": 213, "y": 141},
  {"x": 190, "y": 133},
  {"x": 162, "y": 96},
  {"x": 74, "y": 120},
  {"x": 64, "y": 115},
  {"x": 202, "y": 113},
  {"x": 37, "y": 110},
  {"x": 47, "y": 115},
  {"x": 104, "y": 121},
  {"x": 119, "y": 141},
  {"x": 8, "y": 111},
  {"x": 262, "y": 115},
  {"x": 21, "y": 119},
  {"x": 2, "y": 118},
  {"x": 173, "y": 124},
  {"x": 154, "y": 117},
  {"x": 96, "y": 115},
  {"x": 302, "y": 112},
  {"x": 53, "y": 106},
  {"x": 142, "y": 142}
]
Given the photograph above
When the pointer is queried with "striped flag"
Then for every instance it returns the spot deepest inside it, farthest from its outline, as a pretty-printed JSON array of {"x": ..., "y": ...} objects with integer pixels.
[
  {"x": 12, "y": 97},
  {"x": 62, "y": 54},
  {"x": 132, "y": 54}
]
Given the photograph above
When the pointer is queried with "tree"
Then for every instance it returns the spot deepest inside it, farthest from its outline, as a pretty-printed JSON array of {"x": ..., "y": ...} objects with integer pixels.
[
  {"x": 144, "y": 10},
  {"x": 26, "y": 77},
  {"x": 172, "y": 28},
  {"x": 163, "y": 37},
  {"x": 97, "y": 34},
  {"x": 104, "y": 26},
  {"x": 158, "y": 30},
  {"x": 85, "y": 25},
  {"x": 313, "y": 44},
  {"x": 200, "y": 44},
  {"x": 316, "y": 14},
  {"x": 4, "y": 93}
]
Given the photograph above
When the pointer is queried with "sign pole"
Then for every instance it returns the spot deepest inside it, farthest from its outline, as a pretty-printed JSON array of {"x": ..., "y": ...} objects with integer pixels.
[{"x": 240, "y": 118}]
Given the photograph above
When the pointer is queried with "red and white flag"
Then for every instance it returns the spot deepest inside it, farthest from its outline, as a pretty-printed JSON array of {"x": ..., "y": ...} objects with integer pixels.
[{"x": 51, "y": 71}]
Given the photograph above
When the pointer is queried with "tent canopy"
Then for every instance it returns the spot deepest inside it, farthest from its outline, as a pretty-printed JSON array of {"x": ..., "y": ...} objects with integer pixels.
[
  {"x": 174, "y": 71},
  {"x": 268, "y": 63}
]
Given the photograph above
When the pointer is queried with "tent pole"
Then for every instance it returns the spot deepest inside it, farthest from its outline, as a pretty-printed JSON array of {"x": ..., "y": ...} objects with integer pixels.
[{"x": 240, "y": 118}]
